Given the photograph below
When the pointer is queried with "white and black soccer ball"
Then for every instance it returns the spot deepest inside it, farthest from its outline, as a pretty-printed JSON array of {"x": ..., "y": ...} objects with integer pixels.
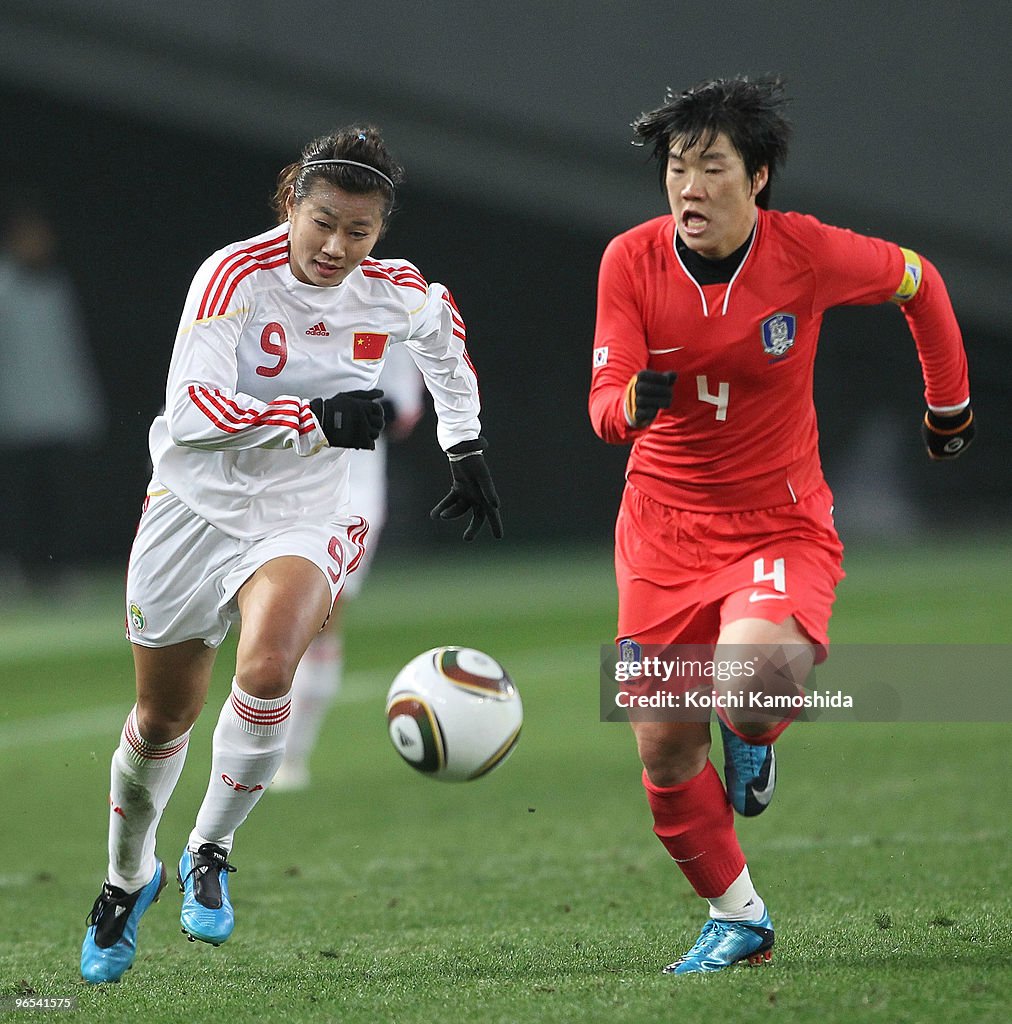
[{"x": 454, "y": 714}]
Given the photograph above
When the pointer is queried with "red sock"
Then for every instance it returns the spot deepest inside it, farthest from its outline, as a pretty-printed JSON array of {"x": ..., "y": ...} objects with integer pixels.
[{"x": 695, "y": 823}]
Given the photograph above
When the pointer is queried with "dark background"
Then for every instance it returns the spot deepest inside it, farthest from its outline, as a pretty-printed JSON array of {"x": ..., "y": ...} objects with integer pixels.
[{"x": 510, "y": 201}]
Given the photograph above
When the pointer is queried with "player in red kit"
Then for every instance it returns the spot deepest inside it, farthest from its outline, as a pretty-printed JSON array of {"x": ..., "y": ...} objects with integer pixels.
[{"x": 707, "y": 327}]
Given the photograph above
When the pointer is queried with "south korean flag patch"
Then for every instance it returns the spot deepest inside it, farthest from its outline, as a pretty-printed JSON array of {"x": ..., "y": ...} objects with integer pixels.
[
  {"x": 600, "y": 356},
  {"x": 778, "y": 334}
]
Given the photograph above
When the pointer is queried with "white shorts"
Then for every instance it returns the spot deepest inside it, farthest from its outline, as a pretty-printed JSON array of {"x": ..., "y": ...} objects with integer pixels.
[
  {"x": 367, "y": 485},
  {"x": 184, "y": 573}
]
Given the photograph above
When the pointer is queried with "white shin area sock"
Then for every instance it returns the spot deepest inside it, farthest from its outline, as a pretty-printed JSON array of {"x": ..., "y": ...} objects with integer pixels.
[
  {"x": 143, "y": 776},
  {"x": 248, "y": 745},
  {"x": 739, "y": 903},
  {"x": 316, "y": 684}
]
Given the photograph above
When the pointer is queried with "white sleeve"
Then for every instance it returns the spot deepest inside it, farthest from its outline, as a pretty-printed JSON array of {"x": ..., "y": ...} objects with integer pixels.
[
  {"x": 203, "y": 406},
  {"x": 437, "y": 345}
]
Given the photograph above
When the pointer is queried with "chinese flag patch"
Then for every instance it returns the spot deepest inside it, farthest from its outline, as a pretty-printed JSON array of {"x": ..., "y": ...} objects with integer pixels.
[{"x": 369, "y": 346}]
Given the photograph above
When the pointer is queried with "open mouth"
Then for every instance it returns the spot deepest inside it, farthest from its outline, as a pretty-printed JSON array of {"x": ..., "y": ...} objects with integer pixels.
[
  {"x": 694, "y": 222},
  {"x": 325, "y": 270}
]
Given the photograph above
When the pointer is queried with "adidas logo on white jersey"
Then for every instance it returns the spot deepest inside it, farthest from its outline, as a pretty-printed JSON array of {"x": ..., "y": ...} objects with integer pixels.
[{"x": 319, "y": 330}]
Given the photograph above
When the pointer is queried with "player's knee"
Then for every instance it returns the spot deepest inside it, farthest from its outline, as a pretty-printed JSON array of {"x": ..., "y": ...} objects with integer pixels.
[
  {"x": 758, "y": 730},
  {"x": 765, "y": 668},
  {"x": 672, "y": 753},
  {"x": 266, "y": 672},
  {"x": 163, "y": 725}
]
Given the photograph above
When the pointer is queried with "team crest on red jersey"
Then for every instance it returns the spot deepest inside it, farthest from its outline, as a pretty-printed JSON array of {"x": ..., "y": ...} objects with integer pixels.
[{"x": 778, "y": 334}]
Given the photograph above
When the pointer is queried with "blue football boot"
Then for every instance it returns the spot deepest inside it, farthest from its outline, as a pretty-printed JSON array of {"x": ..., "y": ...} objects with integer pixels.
[
  {"x": 203, "y": 880},
  {"x": 723, "y": 943},
  {"x": 110, "y": 943},
  {"x": 750, "y": 773}
]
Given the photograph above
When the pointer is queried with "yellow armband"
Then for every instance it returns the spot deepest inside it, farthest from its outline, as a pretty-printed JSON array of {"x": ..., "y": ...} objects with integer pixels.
[{"x": 912, "y": 275}]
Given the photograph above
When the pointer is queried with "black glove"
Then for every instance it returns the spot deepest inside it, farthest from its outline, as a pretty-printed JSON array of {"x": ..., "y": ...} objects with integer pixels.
[
  {"x": 947, "y": 437},
  {"x": 646, "y": 394},
  {"x": 352, "y": 419},
  {"x": 472, "y": 490}
]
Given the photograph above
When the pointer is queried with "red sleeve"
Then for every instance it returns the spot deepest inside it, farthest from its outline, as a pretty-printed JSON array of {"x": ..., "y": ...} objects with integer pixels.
[
  {"x": 939, "y": 343},
  {"x": 852, "y": 269},
  {"x": 855, "y": 269},
  {"x": 620, "y": 346}
]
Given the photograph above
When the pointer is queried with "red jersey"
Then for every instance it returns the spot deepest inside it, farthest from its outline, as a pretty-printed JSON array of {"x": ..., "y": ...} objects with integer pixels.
[{"x": 741, "y": 430}]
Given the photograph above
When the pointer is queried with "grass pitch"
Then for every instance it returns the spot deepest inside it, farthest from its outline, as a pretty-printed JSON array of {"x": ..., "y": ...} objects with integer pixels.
[{"x": 538, "y": 893}]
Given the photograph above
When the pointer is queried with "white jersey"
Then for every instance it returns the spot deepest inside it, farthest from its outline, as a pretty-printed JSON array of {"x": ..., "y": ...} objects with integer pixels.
[{"x": 237, "y": 442}]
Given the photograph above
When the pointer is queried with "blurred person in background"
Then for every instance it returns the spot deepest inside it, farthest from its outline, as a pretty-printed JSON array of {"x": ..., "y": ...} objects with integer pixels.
[
  {"x": 708, "y": 320},
  {"x": 319, "y": 677},
  {"x": 52, "y": 411}
]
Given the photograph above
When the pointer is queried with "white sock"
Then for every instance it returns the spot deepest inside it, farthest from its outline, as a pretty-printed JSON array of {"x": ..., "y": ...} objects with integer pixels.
[
  {"x": 248, "y": 745},
  {"x": 316, "y": 684},
  {"x": 143, "y": 776},
  {"x": 739, "y": 903}
]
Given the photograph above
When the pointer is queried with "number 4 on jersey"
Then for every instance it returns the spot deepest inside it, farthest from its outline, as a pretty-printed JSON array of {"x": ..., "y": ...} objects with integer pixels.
[{"x": 719, "y": 399}]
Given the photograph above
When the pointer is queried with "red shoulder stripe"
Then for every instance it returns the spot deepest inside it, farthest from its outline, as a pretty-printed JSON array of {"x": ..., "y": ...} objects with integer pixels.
[
  {"x": 227, "y": 266},
  {"x": 403, "y": 276},
  {"x": 400, "y": 284},
  {"x": 260, "y": 265},
  {"x": 409, "y": 274}
]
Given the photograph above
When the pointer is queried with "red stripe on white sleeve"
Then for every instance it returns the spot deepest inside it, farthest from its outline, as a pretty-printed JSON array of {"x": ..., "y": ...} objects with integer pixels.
[{"x": 231, "y": 418}]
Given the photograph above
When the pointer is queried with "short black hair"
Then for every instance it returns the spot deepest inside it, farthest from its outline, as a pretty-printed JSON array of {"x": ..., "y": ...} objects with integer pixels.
[{"x": 750, "y": 112}]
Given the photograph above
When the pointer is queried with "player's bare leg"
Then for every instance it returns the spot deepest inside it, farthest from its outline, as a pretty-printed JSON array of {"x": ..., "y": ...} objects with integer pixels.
[
  {"x": 785, "y": 656},
  {"x": 671, "y": 752},
  {"x": 283, "y": 605},
  {"x": 172, "y": 685},
  {"x": 780, "y": 656}
]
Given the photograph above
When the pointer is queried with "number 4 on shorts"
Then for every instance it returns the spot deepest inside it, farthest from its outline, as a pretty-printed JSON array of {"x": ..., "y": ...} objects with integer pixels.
[{"x": 777, "y": 576}]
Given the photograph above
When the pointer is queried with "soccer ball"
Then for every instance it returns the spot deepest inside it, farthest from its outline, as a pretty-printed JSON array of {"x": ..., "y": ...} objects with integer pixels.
[{"x": 454, "y": 714}]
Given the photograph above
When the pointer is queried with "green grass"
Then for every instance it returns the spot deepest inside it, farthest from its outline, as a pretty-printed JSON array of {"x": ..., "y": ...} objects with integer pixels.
[{"x": 538, "y": 893}]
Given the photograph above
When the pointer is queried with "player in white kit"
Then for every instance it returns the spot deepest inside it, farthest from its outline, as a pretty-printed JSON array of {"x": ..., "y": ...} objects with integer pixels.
[
  {"x": 248, "y": 517},
  {"x": 319, "y": 677}
]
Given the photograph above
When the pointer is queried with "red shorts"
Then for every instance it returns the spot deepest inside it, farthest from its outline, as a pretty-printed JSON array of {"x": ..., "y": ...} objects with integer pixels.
[{"x": 683, "y": 575}]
